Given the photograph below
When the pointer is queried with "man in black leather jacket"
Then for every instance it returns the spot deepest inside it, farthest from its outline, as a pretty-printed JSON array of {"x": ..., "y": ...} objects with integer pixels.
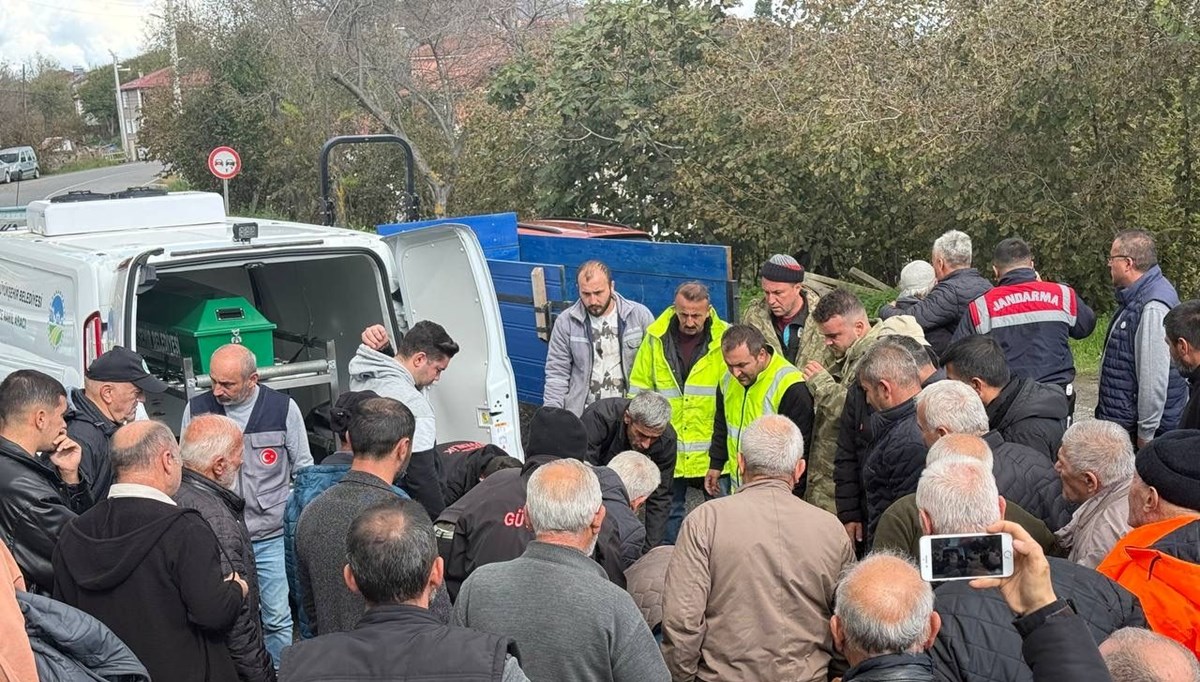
[{"x": 41, "y": 489}]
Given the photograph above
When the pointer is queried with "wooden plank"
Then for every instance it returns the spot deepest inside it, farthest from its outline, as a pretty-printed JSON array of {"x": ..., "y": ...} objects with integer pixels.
[
  {"x": 837, "y": 283},
  {"x": 870, "y": 280},
  {"x": 541, "y": 311}
]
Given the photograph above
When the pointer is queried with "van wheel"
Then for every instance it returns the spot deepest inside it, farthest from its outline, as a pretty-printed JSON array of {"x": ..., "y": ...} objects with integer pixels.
[
  {"x": 36, "y": 174},
  {"x": 7, "y": 177}
]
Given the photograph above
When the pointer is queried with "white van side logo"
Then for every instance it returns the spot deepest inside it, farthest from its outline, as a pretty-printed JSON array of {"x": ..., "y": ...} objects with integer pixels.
[{"x": 57, "y": 326}]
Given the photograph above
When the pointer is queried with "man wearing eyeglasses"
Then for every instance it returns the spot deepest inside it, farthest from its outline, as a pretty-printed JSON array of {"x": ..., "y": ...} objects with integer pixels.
[{"x": 1139, "y": 388}]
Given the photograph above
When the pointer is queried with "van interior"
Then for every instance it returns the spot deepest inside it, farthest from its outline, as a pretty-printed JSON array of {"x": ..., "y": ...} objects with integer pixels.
[{"x": 311, "y": 299}]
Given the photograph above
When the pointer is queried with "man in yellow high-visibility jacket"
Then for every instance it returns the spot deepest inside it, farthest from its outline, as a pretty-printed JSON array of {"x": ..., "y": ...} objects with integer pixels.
[
  {"x": 680, "y": 358},
  {"x": 759, "y": 381}
]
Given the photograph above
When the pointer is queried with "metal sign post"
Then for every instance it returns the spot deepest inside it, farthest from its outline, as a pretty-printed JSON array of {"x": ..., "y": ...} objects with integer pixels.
[{"x": 224, "y": 163}]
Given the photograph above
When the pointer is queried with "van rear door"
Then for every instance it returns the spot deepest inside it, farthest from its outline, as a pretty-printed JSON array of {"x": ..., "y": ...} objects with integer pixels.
[{"x": 444, "y": 278}]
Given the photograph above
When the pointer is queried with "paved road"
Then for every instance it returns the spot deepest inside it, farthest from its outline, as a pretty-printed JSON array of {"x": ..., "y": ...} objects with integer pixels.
[{"x": 110, "y": 179}]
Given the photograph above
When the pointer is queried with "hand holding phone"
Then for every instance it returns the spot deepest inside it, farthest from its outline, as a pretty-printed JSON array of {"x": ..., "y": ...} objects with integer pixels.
[
  {"x": 966, "y": 556},
  {"x": 1029, "y": 588}
]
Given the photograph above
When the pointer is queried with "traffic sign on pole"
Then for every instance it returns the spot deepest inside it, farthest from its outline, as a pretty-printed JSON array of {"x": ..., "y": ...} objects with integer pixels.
[{"x": 224, "y": 163}]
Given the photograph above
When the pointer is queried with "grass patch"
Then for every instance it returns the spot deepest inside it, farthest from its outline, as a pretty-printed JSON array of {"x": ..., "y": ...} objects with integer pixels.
[
  {"x": 84, "y": 164},
  {"x": 1087, "y": 351},
  {"x": 176, "y": 183}
]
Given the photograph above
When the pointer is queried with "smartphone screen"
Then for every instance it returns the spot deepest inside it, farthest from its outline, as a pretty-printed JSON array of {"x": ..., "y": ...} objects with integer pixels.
[{"x": 967, "y": 556}]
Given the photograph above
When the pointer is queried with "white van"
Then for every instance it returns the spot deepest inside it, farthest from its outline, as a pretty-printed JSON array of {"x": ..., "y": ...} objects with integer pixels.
[
  {"x": 87, "y": 275},
  {"x": 18, "y": 163}
]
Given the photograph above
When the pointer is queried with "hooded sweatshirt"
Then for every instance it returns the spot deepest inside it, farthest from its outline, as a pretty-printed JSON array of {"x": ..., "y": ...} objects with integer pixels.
[
  {"x": 151, "y": 572},
  {"x": 371, "y": 370}
]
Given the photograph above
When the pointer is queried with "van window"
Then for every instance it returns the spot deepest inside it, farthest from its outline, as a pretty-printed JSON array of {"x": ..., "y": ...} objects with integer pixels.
[{"x": 8, "y": 158}]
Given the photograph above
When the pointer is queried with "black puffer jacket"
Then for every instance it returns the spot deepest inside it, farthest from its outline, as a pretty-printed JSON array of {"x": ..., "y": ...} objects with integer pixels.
[
  {"x": 69, "y": 644},
  {"x": 854, "y": 437},
  {"x": 35, "y": 507},
  {"x": 1026, "y": 477},
  {"x": 978, "y": 642},
  {"x": 942, "y": 308},
  {"x": 1031, "y": 414},
  {"x": 894, "y": 460},
  {"x": 92, "y": 430},
  {"x": 223, "y": 510}
]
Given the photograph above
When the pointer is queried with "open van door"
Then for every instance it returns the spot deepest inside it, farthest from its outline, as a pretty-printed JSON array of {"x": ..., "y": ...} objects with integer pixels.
[{"x": 443, "y": 277}]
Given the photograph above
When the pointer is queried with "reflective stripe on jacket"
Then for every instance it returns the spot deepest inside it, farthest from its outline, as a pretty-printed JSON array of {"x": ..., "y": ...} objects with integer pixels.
[
  {"x": 744, "y": 406},
  {"x": 692, "y": 408}
]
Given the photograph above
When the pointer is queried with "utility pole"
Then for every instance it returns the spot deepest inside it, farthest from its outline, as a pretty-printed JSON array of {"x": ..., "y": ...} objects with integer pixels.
[
  {"x": 120, "y": 107},
  {"x": 173, "y": 27}
]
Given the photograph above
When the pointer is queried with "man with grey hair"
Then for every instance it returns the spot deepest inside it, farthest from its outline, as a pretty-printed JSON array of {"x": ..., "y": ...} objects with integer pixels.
[
  {"x": 1139, "y": 389},
  {"x": 642, "y": 424},
  {"x": 958, "y": 495},
  {"x": 1024, "y": 476},
  {"x": 625, "y": 483},
  {"x": 275, "y": 448},
  {"x": 212, "y": 455},
  {"x": 891, "y": 381},
  {"x": 883, "y": 620},
  {"x": 1096, "y": 464},
  {"x": 940, "y": 312},
  {"x": 149, "y": 569},
  {"x": 568, "y": 620},
  {"x": 761, "y": 561},
  {"x": 1137, "y": 655},
  {"x": 900, "y": 528}
]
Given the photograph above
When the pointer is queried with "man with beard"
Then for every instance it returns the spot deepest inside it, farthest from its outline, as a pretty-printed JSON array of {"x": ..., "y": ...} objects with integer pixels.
[
  {"x": 594, "y": 343},
  {"x": 211, "y": 451},
  {"x": 275, "y": 447}
]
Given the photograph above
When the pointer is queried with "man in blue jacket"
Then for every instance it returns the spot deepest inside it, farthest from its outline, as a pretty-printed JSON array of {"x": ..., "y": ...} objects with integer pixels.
[{"x": 1139, "y": 389}]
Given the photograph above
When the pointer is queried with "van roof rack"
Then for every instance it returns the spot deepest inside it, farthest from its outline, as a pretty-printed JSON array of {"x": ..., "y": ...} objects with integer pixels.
[
  {"x": 79, "y": 195},
  {"x": 139, "y": 192}
]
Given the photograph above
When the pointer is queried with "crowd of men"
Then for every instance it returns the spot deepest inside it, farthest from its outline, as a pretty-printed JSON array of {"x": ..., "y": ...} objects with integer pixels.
[{"x": 825, "y": 443}]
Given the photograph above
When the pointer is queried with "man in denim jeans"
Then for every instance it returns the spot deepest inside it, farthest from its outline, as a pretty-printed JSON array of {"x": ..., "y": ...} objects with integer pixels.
[{"x": 276, "y": 447}]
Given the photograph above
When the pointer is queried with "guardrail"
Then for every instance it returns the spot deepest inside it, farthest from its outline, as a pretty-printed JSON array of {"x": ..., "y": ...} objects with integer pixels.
[{"x": 12, "y": 218}]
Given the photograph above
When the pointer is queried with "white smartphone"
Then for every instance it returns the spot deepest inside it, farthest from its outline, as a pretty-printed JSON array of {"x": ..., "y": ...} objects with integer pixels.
[{"x": 966, "y": 557}]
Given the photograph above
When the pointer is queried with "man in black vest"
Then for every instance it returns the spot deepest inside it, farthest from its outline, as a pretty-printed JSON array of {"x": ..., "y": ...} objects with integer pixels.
[
  {"x": 276, "y": 446},
  {"x": 392, "y": 561}
]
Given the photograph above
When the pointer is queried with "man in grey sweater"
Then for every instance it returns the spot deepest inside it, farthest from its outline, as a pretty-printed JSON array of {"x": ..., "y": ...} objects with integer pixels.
[
  {"x": 381, "y": 438},
  {"x": 569, "y": 621}
]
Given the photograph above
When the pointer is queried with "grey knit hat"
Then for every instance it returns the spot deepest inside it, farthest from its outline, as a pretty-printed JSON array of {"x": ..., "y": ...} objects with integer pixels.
[{"x": 782, "y": 268}]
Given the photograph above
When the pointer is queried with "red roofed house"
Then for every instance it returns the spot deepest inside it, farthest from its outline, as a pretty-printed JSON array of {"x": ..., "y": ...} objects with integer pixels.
[{"x": 135, "y": 93}]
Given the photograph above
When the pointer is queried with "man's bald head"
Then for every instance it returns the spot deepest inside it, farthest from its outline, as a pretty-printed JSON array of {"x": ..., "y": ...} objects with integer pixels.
[
  {"x": 234, "y": 372},
  {"x": 960, "y": 445},
  {"x": 883, "y": 607},
  {"x": 146, "y": 452},
  {"x": 1137, "y": 655},
  {"x": 212, "y": 447}
]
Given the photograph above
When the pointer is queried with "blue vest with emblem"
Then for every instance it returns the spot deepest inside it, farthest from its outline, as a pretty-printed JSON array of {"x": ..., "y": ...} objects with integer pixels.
[
  {"x": 266, "y": 465},
  {"x": 1118, "y": 370}
]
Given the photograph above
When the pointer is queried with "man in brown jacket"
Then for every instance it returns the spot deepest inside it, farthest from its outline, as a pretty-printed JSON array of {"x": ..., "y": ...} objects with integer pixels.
[{"x": 750, "y": 587}]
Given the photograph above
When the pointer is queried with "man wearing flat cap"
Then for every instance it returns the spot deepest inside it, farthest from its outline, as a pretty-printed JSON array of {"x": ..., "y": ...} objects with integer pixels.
[
  {"x": 1159, "y": 560},
  {"x": 782, "y": 313},
  {"x": 113, "y": 387}
]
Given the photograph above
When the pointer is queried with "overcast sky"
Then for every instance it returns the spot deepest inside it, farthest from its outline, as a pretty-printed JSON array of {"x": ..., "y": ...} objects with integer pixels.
[
  {"x": 73, "y": 32},
  {"x": 81, "y": 32}
]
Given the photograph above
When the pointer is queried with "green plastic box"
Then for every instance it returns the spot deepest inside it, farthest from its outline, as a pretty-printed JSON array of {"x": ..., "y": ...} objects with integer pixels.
[{"x": 180, "y": 325}]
